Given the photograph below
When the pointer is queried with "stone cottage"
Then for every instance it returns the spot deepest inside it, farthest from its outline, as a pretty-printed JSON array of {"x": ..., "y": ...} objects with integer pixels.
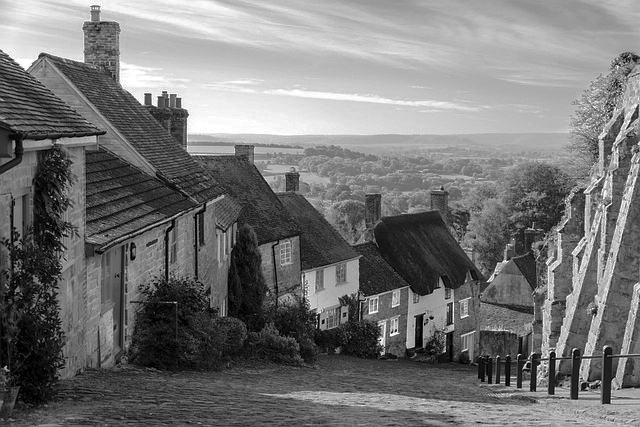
[
  {"x": 32, "y": 119},
  {"x": 443, "y": 280},
  {"x": 278, "y": 234},
  {"x": 152, "y": 210},
  {"x": 329, "y": 265}
]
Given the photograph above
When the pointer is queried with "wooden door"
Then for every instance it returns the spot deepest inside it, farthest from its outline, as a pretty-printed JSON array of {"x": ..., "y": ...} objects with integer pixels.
[
  {"x": 383, "y": 335},
  {"x": 419, "y": 331},
  {"x": 113, "y": 294}
]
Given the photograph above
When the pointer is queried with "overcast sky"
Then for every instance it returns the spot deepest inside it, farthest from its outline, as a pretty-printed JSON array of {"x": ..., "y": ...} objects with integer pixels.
[{"x": 347, "y": 66}]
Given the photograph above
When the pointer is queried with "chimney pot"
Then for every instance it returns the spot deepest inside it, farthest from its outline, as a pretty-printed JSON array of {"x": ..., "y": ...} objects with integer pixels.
[
  {"x": 246, "y": 151},
  {"x": 178, "y": 102},
  {"x": 95, "y": 13},
  {"x": 147, "y": 99},
  {"x": 165, "y": 94},
  {"x": 160, "y": 101},
  {"x": 172, "y": 100}
]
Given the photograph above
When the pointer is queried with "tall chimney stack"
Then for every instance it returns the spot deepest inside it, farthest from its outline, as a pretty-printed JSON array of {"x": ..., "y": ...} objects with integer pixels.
[
  {"x": 246, "y": 151},
  {"x": 292, "y": 181},
  {"x": 440, "y": 202},
  {"x": 170, "y": 114},
  {"x": 102, "y": 43}
]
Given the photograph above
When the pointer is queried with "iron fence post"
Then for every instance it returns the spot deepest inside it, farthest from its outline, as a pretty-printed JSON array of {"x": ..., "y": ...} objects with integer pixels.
[
  {"x": 489, "y": 370},
  {"x": 498, "y": 359},
  {"x": 607, "y": 363},
  {"x": 507, "y": 370},
  {"x": 519, "y": 366},
  {"x": 575, "y": 373},
  {"x": 534, "y": 371},
  {"x": 551, "y": 389}
]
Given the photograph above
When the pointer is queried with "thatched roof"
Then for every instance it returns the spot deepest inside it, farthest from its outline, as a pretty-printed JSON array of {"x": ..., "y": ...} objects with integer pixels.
[{"x": 421, "y": 249}]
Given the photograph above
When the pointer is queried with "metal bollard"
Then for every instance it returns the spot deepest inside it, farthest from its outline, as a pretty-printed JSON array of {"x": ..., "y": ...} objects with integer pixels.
[
  {"x": 519, "y": 366},
  {"x": 481, "y": 368},
  {"x": 551, "y": 389},
  {"x": 575, "y": 373},
  {"x": 507, "y": 370},
  {"x": 489, "y": 370},
  {"x": 535, "y": 358},
  {"x": 607, "y": 376},
  {"x": 498, "y": 359}
]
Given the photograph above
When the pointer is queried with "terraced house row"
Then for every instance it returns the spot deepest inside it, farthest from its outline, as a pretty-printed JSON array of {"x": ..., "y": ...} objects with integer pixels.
[{"x": 144, "y": 208}]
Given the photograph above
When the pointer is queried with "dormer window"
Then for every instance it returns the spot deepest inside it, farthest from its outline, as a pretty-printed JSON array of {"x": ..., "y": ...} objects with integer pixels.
[{"x": 285, "y": 253}]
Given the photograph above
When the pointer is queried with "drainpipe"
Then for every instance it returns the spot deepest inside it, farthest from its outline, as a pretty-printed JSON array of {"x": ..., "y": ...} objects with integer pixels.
[
  {"x": 196, "y": 237},
  {"x": 275, "y": 268},
  {"x": 19, "y": 151},
  {"x": 166, "y": 249}
]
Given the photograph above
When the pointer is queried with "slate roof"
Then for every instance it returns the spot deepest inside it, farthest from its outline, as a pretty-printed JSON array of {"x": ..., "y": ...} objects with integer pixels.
[
  {"x": 139, "y": 128},
  {"x": 527, "y": 265},
  {"x": 261, "y": 208},
  {"x": 227, "y": 212},
  {"x": 121, "y": 199},
  {"x": 29, "y": 108},
  {"x": 320, "y": 243},
  {"x": 495, "y": 317},
  {"x": 376, "y": 276},
  {"x": 421, "y": 249}
]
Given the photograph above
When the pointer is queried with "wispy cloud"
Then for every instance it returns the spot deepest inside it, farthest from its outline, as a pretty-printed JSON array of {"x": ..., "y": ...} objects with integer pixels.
[{"x": 136, "y": 76}]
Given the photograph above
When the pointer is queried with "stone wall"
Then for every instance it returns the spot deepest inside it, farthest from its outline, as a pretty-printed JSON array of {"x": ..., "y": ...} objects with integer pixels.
[
  {"x": 288, "y": 275},
  {"x": 394, "y": 344},
  {"x": 602, "y": 303}
]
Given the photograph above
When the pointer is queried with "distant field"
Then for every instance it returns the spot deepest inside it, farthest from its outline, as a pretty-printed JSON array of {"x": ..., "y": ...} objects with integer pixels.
[
  {"x": 308, "y": 177},
  {"x": 228, "y": 149}
]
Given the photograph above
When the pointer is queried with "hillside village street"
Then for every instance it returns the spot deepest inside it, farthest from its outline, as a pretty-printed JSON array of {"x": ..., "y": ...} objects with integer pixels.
[{"x": 339, "y": 390}]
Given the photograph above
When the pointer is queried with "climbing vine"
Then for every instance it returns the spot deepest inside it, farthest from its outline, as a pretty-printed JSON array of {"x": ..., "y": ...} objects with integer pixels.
[{"x": 30, "y": 327}]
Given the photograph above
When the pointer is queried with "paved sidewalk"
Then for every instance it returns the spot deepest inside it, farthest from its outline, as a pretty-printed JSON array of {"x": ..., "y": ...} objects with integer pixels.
[{"x": 339, "y": 390}]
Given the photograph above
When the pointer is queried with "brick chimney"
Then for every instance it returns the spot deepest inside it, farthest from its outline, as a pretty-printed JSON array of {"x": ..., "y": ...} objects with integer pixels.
[
  {"x": 440, "y": 202},
  {"x": 292, "y": 181},
  {"x": 372, "y": 214},
  {"x": 102, "y": 43},
  {"x": 170, "y": 114},
  {"x": 246, "y": 151}
]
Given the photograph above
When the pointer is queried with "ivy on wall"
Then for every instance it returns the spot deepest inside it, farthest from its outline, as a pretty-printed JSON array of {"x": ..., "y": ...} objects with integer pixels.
[{"x": 31, "y": 335}]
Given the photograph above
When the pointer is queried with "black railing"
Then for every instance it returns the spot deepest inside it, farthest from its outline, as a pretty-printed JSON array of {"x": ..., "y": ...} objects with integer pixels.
[{"x": 486, "y": 364}]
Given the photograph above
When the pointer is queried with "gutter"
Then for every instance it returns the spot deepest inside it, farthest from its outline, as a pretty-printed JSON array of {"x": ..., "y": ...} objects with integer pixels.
[
  {"x": 275, "y": 269},
  {"x": 196, "y": 238},
  {"x": 166, "y": 248},
  {"x": 19, "y": 151}
]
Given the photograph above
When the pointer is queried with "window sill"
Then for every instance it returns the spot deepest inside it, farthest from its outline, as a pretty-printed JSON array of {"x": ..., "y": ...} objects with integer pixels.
[
  {"x": 394, "y": 334},
  {"x": 464, "y": 317}
]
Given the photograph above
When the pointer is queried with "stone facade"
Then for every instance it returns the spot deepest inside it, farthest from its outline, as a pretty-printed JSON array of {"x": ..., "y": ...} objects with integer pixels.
[
  {"x": 287, "y": 275},
  {"x": 394, "y": 340},
  {"x": 605, "y": 262}
]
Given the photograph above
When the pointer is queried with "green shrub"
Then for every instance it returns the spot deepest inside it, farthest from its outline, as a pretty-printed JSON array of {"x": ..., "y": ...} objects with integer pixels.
[
  {"x": 360, "y": 338},
  {"x": 202, "y": 340},
  {"x": 296, "y": 320},
  {"x": 308, "y": 350},
  {"x": 233, "y": 335},
  {"x": 328, "y": 339},
  {"x": 268, "y": 344}
]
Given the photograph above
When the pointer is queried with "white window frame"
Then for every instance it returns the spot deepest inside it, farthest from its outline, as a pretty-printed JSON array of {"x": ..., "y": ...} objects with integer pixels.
[
  {"x": 464, "y": 308},
  {"x": 285, "y": 253},
  {"x": 464, "y": 339},
  {"x": 373, "y": 305},
  {"x": 416, "y": 298},
  {"x": 341, "y": 273},
  {"x": 320, "y": 280},
  {"x": 333, "y": 317},
  {"x": 447, "y": 293},
  {"x": 394, "y": 326},
  {"x": 395, "y": 298}
]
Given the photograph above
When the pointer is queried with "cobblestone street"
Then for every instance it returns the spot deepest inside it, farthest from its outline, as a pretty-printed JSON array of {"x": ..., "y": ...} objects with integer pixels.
[{"x": 337, "y": 391}]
